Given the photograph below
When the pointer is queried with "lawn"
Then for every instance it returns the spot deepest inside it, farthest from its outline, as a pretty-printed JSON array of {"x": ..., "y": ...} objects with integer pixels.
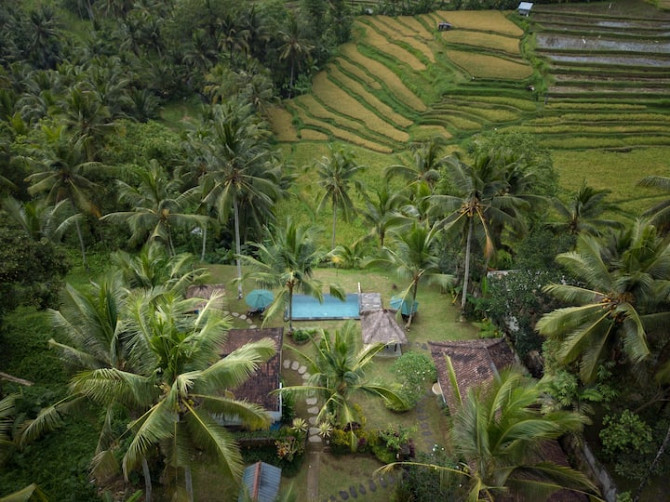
[{"x": 437, "y": 319}]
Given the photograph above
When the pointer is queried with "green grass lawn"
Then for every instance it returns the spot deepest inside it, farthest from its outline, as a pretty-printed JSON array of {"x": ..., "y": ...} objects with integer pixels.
[{"x": 437, "y": 320}]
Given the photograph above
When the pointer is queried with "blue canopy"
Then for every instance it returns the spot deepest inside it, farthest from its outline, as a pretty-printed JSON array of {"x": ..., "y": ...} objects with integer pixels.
[{"x": 397, "y": 303}]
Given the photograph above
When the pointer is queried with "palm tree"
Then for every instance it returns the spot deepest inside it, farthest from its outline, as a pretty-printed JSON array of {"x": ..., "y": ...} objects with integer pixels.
[
  {"x": 500, "y": 433},
  {"x": 180, "y": 385},
  {"x": 157, "y": 206},
  {"x": 238, "y": 167},
  {"x": 63, "y": 175},
  {"x": 336, "y": 174},
  {"x": 40, "y": 220},
  {"x": 294, "y": 47},
  {"x": 288, "y": 261},
  {"x": 415, "y": 258},
  {"x": 92, "y": 325},
  {"x": 428, "y": 160},
  {"x": 153, "y": 267},
  {"x": 382, "y": 213},
  {"x": 618, "y": 303},
  {"x": 338, "y": 373},
  {"x": 583, "y": 212},
  {"x": 87, "y": 118},
  {"x": 660, "y": 213},
  {"x": 481, "y": 198}
]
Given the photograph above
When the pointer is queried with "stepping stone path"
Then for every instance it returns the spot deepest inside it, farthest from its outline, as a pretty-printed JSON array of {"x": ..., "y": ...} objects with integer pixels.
[{"x": 313, "y": 410}]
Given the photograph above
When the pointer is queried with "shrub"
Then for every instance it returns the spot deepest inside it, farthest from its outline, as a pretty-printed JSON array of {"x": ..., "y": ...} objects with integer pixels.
[
  {"x": 303, "y": 335},
  {"x": 627, "y": 439},
  {"x": 413, "y": 371}
]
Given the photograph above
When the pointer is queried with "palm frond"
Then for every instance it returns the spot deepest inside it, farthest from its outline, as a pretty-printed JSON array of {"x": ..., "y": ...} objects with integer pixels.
[{"x": 216, "y": 440}]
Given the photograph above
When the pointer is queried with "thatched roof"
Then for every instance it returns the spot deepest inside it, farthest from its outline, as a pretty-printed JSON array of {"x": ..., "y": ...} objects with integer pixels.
[
  {"x": 380, "y": 326},
  {"x": 474, "y": 362},
  {"x": 267, "y": 377},
  {"x": 205, "y": 291}
]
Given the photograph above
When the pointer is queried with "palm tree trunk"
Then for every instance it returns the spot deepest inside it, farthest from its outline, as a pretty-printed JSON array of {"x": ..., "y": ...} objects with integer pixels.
[
  {"x": 659, "y": 454},
  {"x": 411, "y": 305},
  {"x": 466, "y": 274},
  {"x": 290, "y": 90},
  {"x": 332, "y": 244},
  {"x": 204, "y": 242},
  {"x": 81, "y": 244},
  {"x": 238, "y": 250},
  {"x": 147, "y": 480},
  {"x": 170, "y": 244},
  {"x": 189, "y": 483},
  {"x": 290, "y": 309}
]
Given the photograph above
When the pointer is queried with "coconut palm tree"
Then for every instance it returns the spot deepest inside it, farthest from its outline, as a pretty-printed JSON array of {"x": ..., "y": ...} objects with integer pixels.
[
  {"x": 39, "y": 219},
  {"x": 336, "y": 174},
  {"x": 294, "y": 47},
  {"x": 288, "y": 261},
  {"x": 428, "y": 160},
  {"x": 480, "y": 200},
  {"x": 62, "y": 170},
  {"x": 153, "y": 267},
  {"x": 660, "y": 213},
  {"x": 157, "y": 206},
  {"x": 179, "y": 384},
  {"x": 500, "y": 433},
  {"x": 583, "y": 212},
  {"x": 239, "y": 167},
  {"x": 618, "y": 303},
  {"x": 91, "y": 325},
  {"x": 338, "y": 373},
  {"x": 414, "y": 256},
  {"x": 383, "y": 212}
]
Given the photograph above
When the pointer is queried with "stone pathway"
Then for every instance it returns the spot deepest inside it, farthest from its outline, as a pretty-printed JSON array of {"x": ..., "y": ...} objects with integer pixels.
[
  {"x": 360, "y": 490},
  {"x": 314, "y": 450},
  {"x": 312, "y": 409}
]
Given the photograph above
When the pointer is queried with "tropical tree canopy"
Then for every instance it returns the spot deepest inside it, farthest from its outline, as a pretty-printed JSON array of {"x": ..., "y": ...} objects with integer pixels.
[
  {"x": 625, "y": 281},
  {"x": 413, "y": 254},
  {"x": 338, "y": 373},
  {"x": 336, "y": 175},
  {"x": 501, "y": 435},
  {"x": 500, "y": 432}
]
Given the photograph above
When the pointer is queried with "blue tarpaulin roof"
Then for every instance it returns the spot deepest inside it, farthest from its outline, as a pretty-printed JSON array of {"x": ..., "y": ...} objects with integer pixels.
[{"x": 261, "y": 482}]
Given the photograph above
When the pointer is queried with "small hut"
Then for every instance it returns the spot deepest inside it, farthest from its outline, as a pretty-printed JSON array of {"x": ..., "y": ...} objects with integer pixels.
[
  {"x": 261, "y": 482},
  {"x": 524, "y": 8},
  {"x": 380, "y": 326}
]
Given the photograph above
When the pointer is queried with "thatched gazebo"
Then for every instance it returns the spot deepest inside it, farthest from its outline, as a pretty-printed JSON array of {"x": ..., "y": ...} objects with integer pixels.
[
  {"x": 206, "y": 291},
  {"x": 380, "y": 326}
]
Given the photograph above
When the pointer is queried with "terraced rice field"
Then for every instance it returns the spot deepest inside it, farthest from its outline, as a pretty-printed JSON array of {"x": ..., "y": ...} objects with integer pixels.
[
  {"x": 401, "y": 80},
  {"x": 602, "y": 89}
]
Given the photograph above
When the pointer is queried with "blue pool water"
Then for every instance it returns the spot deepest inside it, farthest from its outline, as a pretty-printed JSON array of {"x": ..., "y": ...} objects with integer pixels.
[{"x": 307, "y": 308}]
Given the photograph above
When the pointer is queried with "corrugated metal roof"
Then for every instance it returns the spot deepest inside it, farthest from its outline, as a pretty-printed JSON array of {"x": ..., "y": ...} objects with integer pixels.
[{"x": 261, "y": 481}]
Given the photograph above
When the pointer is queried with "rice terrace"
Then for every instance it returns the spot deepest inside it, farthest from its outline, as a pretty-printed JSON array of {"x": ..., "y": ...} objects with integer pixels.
[
  {"x": 334, "y": 250},
  {"x": 599, "y": 74}
]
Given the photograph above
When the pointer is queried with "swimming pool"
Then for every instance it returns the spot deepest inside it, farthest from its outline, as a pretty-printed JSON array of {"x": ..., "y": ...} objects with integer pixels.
[{"x": 308, "y": 308}]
